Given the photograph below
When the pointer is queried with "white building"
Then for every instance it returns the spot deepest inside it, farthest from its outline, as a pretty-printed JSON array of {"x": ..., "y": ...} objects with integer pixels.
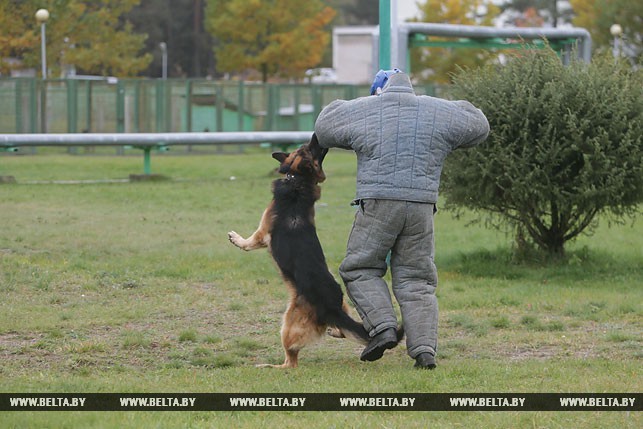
[
  {"x": 356, "y": 48},
  {"x": 355, "y": 53}
]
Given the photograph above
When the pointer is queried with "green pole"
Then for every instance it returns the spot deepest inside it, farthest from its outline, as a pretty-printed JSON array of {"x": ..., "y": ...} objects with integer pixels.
[
  {"x": 317, "y": 100},
  {"x": 72, "y": 105},
  {"x": 18, "y": 95},
  {"x": 147, "y": 164},
  {"x": 241, "y": 125},
  {"x": 120, "y": 107},
  {"x": 88, "y": 105},
  {"x": 159, "y": 99},
  {"x": 120, "y": 111},
  {"x": 137, "y": 106},
  {"x": 296, "y": 102},
  {"x": 72, "y": 110},
  {"x": 219, "y": 105},
  {"x": 240, "y": 107},
  {"x": 385, "y": 35},
  {"x": 33, "y": 107},
  {"x": 43, "y": 106},
  {"x": 270, "y": 120},
  {"x": 188, "y": 105}
]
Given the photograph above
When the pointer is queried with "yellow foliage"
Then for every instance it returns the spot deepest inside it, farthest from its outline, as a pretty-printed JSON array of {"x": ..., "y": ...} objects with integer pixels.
[
  {"x": 89, "y": 35},
  {"x": 585, "y": 13},
  {"x": 276, "y": 38},
  {"x": 464, "y": 12},
  {"x": 437, "y": 64}
]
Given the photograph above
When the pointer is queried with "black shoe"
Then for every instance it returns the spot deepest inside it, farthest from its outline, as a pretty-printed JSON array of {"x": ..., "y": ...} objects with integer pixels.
[
  {"x": 386, "y": 339},
  {"x": 425, "y": 361}
]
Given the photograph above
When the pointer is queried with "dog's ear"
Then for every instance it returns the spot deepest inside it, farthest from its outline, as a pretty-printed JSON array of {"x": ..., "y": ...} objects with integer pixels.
[
  {"x": 280, "y": 156},
  {"x": 316, "y": 150}
]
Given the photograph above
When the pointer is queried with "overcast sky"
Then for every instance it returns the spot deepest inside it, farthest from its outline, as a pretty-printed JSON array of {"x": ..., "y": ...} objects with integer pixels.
[{"x": 406, "y": 9}]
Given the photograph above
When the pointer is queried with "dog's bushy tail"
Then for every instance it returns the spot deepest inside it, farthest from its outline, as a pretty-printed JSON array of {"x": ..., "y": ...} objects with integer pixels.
[
  {"x": 355, "y": 330},
  {"x": 349, "y": 326}
]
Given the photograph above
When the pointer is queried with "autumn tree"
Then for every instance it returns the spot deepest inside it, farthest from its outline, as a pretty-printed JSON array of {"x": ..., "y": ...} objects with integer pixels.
[
  {"x": 279, "y": 38},
  {"x": 361, "y": 12},
  {"x": 438, "y": 63},
  {"x": 16, "y": 41},
  {"x": 91, "y": 36},
  {"x": 535, "y": 13},
  {"x": 597, "y": 16}
]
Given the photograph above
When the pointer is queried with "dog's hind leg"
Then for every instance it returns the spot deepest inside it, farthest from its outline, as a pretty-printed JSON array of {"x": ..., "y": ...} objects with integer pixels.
[
  {"x": 260, "y": 238},
  {"x": 289, "y": 336},
  {"x": 290, "y": 362},
  {"x": 299, "y": 329}
]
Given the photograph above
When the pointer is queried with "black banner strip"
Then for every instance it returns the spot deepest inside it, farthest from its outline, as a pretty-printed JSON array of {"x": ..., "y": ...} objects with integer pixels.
[{"x": 321, "y": 402}]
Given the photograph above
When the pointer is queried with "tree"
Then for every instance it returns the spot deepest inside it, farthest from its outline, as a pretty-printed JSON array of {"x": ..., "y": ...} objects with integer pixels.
[
  {"x": 92, "y": 36},
  {"x": 276, "y": 38},
  {"x": 597, "y": 16},
  {"x": 179, "y": 24},
  {"x": 350, "y": 12},
  {"x": 438, "y": 64},
  {"x": 362, "y": 12},
  {"x": 565, "y": 146},
  {"x": 15, "y": 42},
  {"x": 534, "y": 13}
]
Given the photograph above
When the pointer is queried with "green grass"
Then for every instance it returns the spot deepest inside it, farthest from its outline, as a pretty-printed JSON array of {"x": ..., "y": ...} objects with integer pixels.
[{"x": 134, "y": 287}]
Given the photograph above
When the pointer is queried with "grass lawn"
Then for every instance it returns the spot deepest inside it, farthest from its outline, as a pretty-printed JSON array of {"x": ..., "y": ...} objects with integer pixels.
[{"x": 133, "y": 287}]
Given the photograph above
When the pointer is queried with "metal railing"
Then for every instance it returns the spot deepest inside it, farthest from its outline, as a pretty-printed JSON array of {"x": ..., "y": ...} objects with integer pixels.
[{"x": 149, "y": 141}]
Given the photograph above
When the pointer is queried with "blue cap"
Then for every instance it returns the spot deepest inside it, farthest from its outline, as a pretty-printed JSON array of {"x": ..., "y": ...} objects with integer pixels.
[{"x": 381, "y": 78}]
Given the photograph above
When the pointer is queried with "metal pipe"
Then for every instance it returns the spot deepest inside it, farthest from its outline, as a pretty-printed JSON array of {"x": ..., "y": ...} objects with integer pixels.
[
  {"x": 480, "y": 32},
  {"x": 43, "y": 49},
  {"x": 163, "y": 47},
  {"x": 154, "y": 139},
  {"x": 394, "y": 38}
]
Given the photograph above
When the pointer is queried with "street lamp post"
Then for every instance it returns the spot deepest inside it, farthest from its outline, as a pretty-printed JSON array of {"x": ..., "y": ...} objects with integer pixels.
[
  {"x": 42, "y": 15},
  {"x": 163, "y": 47},
  {"x": 616, "y": 31}
]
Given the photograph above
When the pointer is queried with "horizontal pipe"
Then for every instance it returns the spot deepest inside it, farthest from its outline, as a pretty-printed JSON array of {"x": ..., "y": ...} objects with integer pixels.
[
  {"x": 482, "y": 32},
  {"x": 474, "y": 31},
  {"x": 154, "y": 139}
]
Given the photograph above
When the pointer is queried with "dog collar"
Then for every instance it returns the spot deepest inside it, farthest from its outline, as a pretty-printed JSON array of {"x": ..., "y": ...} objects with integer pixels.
[{"x": 289, "y": 176}]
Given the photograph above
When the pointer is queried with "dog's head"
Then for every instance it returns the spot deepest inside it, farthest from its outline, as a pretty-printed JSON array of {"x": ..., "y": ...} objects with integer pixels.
[{"x": 305, "y": 161}]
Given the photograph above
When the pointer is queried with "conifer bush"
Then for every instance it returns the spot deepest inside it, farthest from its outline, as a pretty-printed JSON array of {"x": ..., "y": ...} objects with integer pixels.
[{"x": 565, "y": 146}]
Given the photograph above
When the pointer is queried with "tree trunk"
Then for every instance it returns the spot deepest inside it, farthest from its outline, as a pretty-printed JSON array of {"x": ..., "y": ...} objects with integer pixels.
[
  {"x": 264, "y": 73},
  {"x": 554, "y": 245}
]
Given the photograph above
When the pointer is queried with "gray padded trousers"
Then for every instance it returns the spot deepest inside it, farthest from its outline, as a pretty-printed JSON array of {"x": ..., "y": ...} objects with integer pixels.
[{"x": 405, "y": 229}]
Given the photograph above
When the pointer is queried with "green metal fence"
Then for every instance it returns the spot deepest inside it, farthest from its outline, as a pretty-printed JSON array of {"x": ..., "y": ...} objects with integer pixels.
[{"x": 30, "y": 105}]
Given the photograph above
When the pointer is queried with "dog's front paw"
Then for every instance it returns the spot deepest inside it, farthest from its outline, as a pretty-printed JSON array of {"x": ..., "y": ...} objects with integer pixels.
[{"x": 235, "y": 238}]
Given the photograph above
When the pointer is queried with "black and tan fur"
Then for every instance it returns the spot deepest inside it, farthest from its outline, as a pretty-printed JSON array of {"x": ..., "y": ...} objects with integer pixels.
[{"x": 287, "y": 228}]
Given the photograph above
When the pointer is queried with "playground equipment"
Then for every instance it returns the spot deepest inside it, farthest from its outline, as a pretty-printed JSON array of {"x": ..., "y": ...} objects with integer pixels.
[{"x": 396, "y": 39}]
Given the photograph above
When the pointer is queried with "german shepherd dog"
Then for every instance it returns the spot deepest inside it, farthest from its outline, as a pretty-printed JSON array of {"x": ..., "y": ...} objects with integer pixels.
[{"x": 287, "y": 228}]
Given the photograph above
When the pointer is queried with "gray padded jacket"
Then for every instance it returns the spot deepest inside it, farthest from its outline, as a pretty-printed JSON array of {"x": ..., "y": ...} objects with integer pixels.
[{"x": 401, "y": 139}]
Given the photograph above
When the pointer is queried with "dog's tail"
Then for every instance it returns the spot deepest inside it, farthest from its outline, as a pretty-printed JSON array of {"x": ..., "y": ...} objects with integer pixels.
[{"x": 355, "y": 330}]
